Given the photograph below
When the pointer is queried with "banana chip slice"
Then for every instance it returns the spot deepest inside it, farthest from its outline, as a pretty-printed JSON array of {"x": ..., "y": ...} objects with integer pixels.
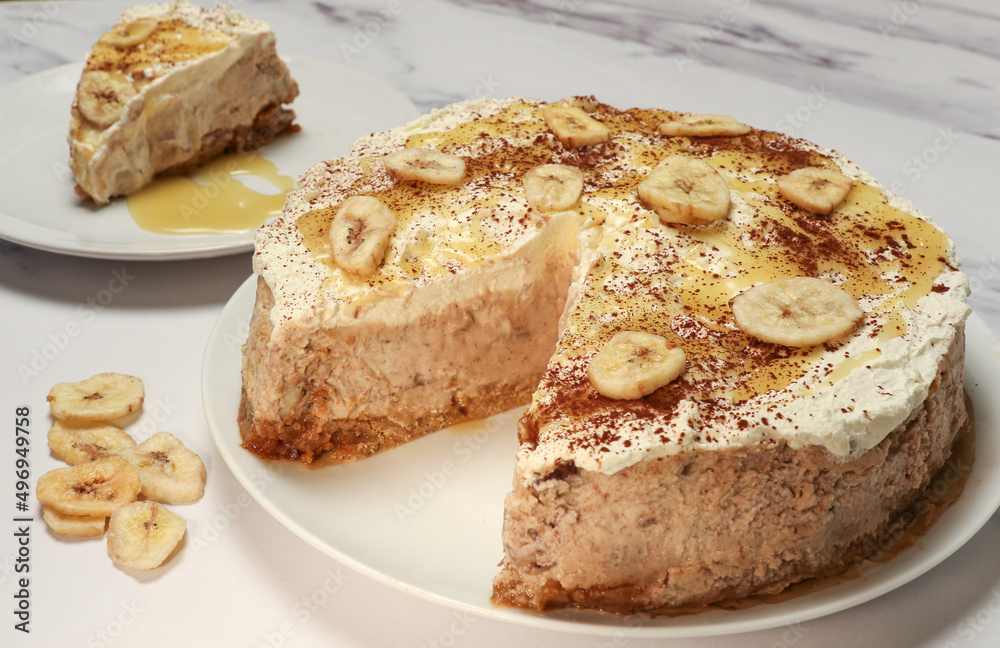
[
  {"x": 704, "y": 126},
  {"x": 553, "y": 187},
  {"x": 104, "y": 397},
  {"x": 77, "y": 443},
  {"x": 95, "y": 488},
  {"x": 80, "y": 526},
  {"x": 101, "y": 96},
  {"x": 685, "y": 190},
  {"x": 131, "y": 34},
  {"x": 170, "y": 473},
  {"x": 425, "y": 165},
  {"x": 360, "y": 234},
  {"x": 141, "y": 535},
  {"x": 816, "y": 189},
  {"x": 574, "y": 127}
]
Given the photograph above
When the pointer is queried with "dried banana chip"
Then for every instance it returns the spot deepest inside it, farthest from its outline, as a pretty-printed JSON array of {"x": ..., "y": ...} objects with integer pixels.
[{"x": 104, "y": 397}]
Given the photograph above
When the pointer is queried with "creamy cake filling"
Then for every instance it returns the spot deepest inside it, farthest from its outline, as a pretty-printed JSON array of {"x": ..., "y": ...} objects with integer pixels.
[{"x": 408, "y": 354}]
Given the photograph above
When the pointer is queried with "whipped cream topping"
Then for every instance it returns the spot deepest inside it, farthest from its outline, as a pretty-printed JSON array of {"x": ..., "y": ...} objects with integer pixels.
[
  {"x": 185, "y": 34},
  {"x": 638, "y": 273},
  {"x": 441, "y": 231}
]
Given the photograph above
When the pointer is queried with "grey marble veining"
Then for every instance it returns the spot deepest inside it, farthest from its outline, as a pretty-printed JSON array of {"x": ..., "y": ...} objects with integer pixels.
[
  {"x": 933, "y": 61},
  {"x": 938, "y": 62}
]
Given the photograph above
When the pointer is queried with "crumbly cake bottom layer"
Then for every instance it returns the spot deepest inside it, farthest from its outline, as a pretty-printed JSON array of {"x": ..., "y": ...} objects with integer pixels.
[
  {"x": 346, "y": 440},
  {"x": 697, "y": 528}
]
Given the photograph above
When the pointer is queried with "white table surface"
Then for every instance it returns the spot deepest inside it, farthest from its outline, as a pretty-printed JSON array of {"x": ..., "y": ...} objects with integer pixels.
[{"x": 909, "y": 90}]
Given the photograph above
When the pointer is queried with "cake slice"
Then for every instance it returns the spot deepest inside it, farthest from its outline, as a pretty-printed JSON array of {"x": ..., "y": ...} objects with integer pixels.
[{"x": 169, "y": 87}]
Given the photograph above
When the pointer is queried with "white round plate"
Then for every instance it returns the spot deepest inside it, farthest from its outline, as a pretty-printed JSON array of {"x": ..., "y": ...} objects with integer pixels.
[
  {"x": 426, "y": 517},
  {"x": 337, "y": 105}
]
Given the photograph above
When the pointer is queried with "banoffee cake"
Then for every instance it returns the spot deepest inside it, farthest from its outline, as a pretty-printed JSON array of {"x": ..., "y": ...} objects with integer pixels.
[
  {"x": 743, "y": 356},
  {"x": 169, "y": 87}
]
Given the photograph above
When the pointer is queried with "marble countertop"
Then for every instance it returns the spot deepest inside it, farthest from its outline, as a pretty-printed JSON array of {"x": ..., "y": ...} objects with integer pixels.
[{"x": 909, "y": 90}]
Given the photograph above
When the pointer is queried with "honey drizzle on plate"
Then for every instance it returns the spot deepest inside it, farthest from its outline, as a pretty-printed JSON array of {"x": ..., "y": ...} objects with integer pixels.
[{"x": 211, "y": 199}]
